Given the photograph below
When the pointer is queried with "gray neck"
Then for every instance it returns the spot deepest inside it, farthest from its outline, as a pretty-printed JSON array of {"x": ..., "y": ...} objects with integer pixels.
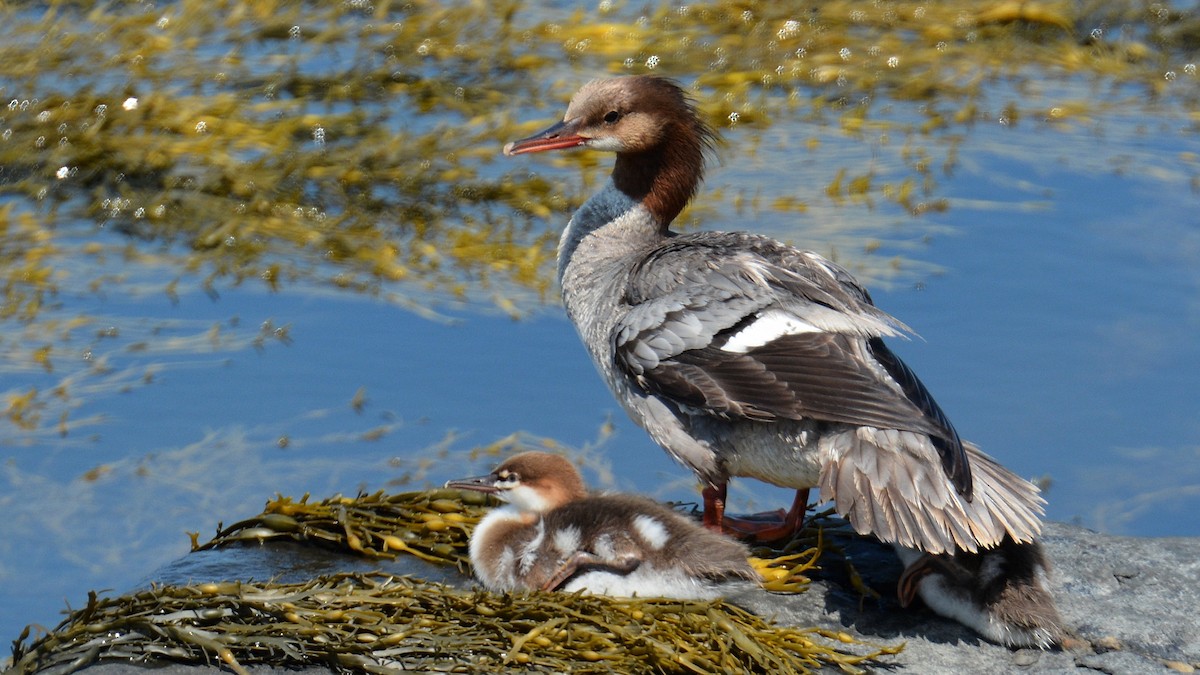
[
  {"x": 605, "y": 238},
  {"x": 627, "y": 226}
]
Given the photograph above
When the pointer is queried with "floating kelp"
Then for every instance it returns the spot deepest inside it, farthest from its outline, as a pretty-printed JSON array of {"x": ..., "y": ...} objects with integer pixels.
[
  {"x": 377, "y": 621},
  {"x": 357, "y": 145},
  {"x": 360, "y": 134}
]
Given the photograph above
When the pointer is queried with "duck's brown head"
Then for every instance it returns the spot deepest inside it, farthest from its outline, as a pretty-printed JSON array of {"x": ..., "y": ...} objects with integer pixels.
[{"x": 653, "y": 126}]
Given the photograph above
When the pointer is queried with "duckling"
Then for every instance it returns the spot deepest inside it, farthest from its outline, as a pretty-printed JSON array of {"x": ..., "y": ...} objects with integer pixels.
[
  {"x": 553, "y": 535},
  {"x": 1002, "y": 593}
]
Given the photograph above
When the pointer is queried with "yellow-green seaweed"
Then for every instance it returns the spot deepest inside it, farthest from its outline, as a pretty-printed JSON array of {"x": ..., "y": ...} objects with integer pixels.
[
  {"x": 374, "y": 622},
  {"x": 377, "y": 621}
]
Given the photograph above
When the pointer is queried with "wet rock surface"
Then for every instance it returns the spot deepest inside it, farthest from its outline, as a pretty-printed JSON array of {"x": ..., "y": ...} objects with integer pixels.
[{"x": 1130, "y": 604}]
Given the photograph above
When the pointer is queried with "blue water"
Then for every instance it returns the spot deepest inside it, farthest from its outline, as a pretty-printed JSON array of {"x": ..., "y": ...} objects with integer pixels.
[{"x": 1057, "y": 302}]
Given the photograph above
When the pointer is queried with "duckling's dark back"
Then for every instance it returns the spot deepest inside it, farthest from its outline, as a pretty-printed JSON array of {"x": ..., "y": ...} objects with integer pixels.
[{"x": 618, "y": 526}]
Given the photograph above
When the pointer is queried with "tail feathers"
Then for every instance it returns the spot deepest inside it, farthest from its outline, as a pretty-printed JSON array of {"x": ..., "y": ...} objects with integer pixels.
[{"x": 890, "y": 484}]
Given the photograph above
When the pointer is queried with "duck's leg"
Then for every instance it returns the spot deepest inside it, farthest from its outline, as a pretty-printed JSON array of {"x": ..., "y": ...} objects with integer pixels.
[
  {"x": 714, "y": 506},
  {"x": 760, "y": 527},
  {"x": 794, "y": 520},
  {"x": 584, "y": 560}
]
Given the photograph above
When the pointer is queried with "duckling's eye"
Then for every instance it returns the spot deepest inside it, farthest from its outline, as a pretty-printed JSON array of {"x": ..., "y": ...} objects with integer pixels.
[{"x": 611, "y": 117}]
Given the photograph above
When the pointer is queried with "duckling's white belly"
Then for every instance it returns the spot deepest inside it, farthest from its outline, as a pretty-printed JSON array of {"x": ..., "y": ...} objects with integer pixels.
[
  {"x": 646, "y": 583},
  {"x": 506, "y": 552}
]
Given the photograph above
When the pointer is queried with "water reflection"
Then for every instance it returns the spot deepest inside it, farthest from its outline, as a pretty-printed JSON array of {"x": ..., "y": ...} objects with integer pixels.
[{"x": 268, "y": 209}]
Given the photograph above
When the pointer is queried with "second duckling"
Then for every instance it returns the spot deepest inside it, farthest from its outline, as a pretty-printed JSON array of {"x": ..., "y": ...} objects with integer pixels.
[{"x": 1002, "y": 593}]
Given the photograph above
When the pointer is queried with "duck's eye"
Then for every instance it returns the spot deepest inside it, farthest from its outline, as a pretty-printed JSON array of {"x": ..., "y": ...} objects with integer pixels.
[{"x": 611, "y": 117}]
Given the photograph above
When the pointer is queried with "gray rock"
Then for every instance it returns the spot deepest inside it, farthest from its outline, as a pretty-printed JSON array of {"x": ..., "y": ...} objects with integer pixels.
[{"x": 1130, "y": 603}]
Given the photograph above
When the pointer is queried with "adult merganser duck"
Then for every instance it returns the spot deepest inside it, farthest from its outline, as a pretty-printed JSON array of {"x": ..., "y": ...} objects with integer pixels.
[
  {"x": 742, "y": 356},
  {"x": 1002, "y": 593},
  {"x": 553, "y": 535}
]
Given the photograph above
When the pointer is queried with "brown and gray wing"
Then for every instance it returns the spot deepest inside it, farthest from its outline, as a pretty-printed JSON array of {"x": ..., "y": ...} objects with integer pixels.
[{"x": 673, "y": 343}]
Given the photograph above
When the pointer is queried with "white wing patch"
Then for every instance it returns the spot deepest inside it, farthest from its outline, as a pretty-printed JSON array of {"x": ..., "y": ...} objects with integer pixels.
[
  {"x": 770, "y": 325},
  {"x": 567, "y": 540},
  {"x": 604, "y": 547},
  {"x": 652, "y": 531}
]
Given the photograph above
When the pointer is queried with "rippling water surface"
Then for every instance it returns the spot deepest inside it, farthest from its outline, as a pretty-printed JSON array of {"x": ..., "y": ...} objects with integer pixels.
[{"x": 351, "y": 290}]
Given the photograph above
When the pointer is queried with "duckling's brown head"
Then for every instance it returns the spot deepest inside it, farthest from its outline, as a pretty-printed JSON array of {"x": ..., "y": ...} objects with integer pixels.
[{"x": 532, "y": 481}]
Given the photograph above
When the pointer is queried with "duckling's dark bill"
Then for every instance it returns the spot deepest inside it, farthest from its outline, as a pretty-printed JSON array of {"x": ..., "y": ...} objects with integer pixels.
[{"x": 485, "y": 484}]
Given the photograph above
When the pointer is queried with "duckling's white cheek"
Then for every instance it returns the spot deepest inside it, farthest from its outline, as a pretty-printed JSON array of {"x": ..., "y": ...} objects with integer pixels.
[
  {"x": 566, "y": 540},
  {"x": 652, "y": 531},
  {"x": 528, "y": 499}
]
